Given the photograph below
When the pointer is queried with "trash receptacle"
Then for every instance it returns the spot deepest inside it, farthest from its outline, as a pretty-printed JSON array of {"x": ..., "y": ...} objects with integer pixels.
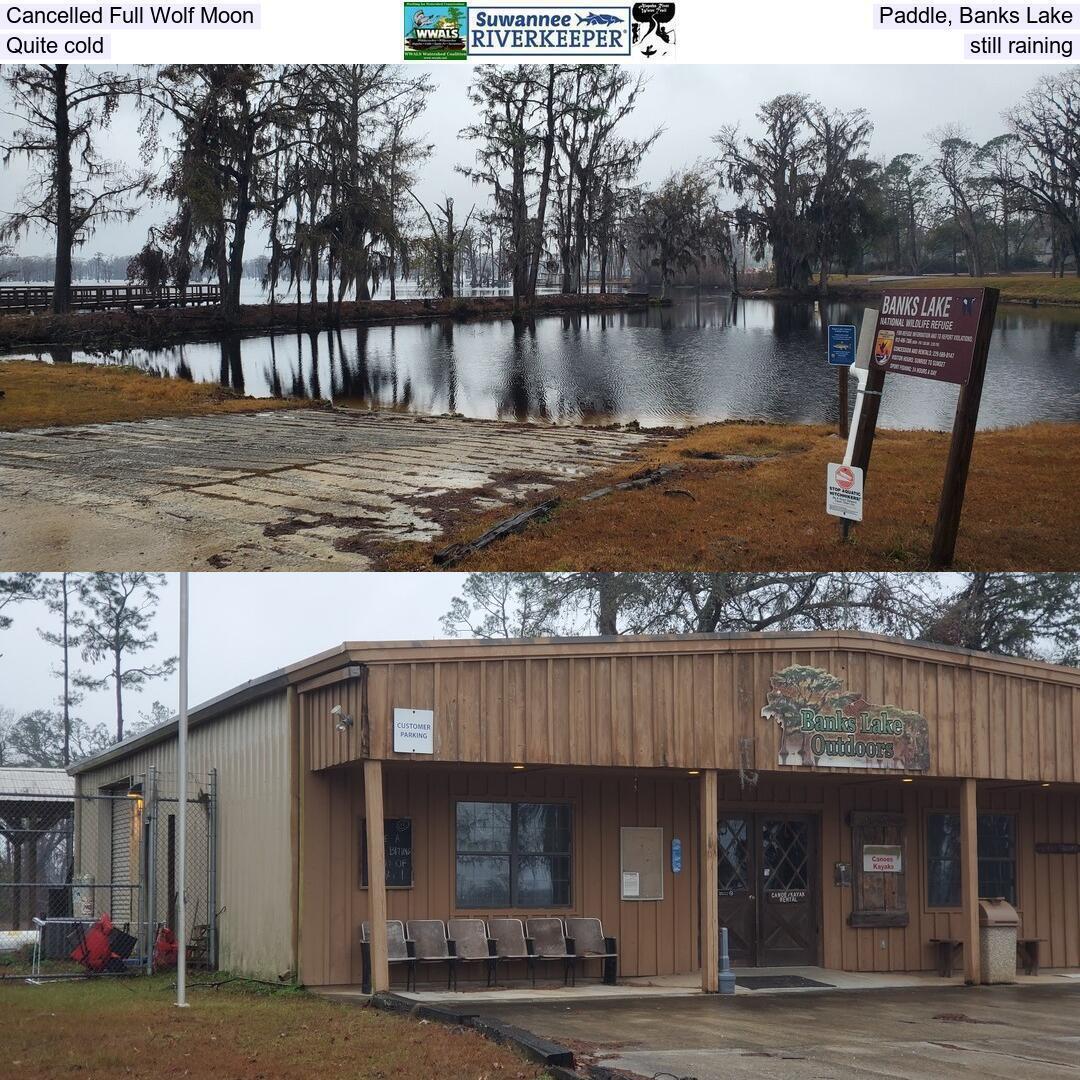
[{"x": 998, "y": 923}]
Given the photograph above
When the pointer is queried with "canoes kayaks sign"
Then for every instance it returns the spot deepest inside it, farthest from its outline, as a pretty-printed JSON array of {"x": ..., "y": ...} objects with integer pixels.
[{"x": 822, "y": 724}]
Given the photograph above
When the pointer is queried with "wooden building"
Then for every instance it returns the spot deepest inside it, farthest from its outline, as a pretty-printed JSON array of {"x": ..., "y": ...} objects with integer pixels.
[{"x": 833, "y": 799}]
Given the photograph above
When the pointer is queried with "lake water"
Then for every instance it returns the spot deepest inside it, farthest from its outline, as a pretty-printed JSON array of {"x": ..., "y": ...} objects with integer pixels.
[{"x": 704, "y": 358}]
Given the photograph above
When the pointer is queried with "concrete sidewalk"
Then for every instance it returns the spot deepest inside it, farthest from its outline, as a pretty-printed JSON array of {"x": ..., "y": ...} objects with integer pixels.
[
  {"x": 958, "y": 1032},
  {"x": 302, "y": 489}
]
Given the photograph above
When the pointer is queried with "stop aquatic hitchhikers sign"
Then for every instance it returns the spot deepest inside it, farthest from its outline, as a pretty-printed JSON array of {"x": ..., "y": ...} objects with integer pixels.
[{"x": 844, "y": 491}]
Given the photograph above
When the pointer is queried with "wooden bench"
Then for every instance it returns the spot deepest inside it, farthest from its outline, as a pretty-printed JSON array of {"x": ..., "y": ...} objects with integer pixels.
[
  {"x": 947, "y": 948},
  {"x": 1027, "y": 949}
]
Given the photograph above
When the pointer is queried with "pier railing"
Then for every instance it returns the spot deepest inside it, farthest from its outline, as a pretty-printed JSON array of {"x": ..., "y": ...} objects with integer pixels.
[{"x": 103, "y": 297}]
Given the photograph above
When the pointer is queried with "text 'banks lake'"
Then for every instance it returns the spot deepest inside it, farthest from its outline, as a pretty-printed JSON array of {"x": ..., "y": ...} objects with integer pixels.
[{"x": 705, "y": 358}]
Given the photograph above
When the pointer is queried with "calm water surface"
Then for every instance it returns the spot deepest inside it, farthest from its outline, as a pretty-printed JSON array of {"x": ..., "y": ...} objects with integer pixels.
[{"x": 705, "y": 358}]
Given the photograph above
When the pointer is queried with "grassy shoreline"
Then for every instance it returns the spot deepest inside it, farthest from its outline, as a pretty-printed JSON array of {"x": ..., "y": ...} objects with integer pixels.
[
  {"x": 157, "y": 327},
  {"x": 1030, "y": 290},
  {"x": 50, "y": 395}
]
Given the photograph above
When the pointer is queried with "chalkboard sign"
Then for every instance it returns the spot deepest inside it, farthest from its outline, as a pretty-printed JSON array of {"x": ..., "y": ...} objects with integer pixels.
[{"x": 397, "y": 833}]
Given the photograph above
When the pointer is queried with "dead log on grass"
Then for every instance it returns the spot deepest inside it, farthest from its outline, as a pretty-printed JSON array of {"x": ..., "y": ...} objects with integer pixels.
[{"x": 452, "y": 555}]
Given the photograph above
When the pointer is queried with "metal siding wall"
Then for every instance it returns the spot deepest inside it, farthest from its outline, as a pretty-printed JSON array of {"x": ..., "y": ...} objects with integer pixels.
[
  {"x": 695, "y": 705},
  {"x": 250, "y": 750}
]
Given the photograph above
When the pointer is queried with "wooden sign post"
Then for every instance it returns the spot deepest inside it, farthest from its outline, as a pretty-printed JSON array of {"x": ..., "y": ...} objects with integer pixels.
[{"x": 963, "y": 438}]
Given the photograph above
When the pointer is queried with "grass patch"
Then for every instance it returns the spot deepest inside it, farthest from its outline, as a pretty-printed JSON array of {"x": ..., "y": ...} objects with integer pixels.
[
  {"x": 1015, "y": 288},
  {"x": 44, "y": 395},
  {"x": 131, "y": 1028},
  {"x": 769, "y": 514}
]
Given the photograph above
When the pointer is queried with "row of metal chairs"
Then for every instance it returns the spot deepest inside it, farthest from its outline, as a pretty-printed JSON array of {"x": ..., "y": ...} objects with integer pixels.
[{"x": 487, "y": 941}]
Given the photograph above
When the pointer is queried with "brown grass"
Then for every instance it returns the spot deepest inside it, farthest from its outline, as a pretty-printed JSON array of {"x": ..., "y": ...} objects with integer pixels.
[
  {"x": 43, "y": 395},
  {"x": 1021, "y": 510},
  {"x": 132, "y": 1029}
]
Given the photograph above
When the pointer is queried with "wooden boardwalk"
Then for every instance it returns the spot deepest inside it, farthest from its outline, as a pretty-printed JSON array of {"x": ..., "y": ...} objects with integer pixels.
[{"x": 107, "y": 297}]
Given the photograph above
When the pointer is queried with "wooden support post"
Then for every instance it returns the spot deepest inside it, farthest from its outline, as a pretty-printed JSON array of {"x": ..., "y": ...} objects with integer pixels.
[
  {"x": 842, "y": 390},
  {"x": 708, "y": 912},
  {"x": 963, "y": 439},
  {"x": 373, "y": 802},
  {"x": 969, "y": 881}
]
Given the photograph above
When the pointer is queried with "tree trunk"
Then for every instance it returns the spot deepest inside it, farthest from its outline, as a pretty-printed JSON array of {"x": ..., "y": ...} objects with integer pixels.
[
  {"x": 65, "y": 238},
  {"x": 607, "y": 606},
  {"x": 117, "y": 678}
]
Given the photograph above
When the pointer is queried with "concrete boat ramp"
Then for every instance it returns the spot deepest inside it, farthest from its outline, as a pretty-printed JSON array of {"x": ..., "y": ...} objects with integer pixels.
[{"x": 297, "y": 489}]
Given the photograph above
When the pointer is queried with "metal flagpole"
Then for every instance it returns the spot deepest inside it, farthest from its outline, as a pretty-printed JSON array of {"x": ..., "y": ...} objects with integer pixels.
[{"x": 181, "y": 794}]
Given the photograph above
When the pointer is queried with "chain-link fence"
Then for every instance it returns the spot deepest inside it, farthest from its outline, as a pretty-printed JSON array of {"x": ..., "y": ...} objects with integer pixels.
[{"x": 67, "y": 860}]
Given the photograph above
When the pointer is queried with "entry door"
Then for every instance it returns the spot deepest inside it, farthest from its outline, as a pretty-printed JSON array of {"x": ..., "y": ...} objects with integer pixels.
[{"x": 768, "y": 890}]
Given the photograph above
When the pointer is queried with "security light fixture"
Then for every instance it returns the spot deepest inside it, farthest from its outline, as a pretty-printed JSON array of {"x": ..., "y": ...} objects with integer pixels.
[
  {"x": 518, "y": 768},
  {"x": 343, "y": 720},
  {"x": 1046, "y": 783},
  {"x": 907, "y": 780},
  {"x": 693, "y": 772}
]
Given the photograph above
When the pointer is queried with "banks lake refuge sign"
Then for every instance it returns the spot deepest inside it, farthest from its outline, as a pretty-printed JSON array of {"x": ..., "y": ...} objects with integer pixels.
[
  {"x": 938, "y": 334},
  {"x": 822, "y": 724}
]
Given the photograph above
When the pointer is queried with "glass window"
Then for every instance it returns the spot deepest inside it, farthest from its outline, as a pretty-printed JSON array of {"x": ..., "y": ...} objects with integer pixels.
[
  {"x": 997, "y": 858},
  {"x": 513, "y": 855}
]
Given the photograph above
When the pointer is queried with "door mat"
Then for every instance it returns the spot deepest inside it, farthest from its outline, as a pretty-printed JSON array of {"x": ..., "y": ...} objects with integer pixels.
[{"x": 777, "y": 982}]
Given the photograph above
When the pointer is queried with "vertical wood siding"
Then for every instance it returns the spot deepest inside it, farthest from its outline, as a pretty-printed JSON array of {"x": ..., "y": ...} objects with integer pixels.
[
  {"x": 699, "y": 705},
  {"x": 655, "y": 937}
]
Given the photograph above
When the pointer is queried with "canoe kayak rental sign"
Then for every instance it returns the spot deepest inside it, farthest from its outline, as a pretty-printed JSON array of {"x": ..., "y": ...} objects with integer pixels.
[{"x": 938, "y": 334}]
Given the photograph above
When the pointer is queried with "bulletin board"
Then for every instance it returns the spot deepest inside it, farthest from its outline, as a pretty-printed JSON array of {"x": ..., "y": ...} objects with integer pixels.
[{"x": 641, "y": 863}]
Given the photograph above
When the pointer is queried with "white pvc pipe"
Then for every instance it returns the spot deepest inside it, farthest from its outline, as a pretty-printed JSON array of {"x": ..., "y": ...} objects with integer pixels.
[{"x": 181, "y": 795}]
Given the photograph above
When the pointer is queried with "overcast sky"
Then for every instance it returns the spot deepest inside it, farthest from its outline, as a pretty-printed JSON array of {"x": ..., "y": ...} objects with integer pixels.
[
  {"x": 692, "y": 102},
  {"x": 242, "y": 626}
]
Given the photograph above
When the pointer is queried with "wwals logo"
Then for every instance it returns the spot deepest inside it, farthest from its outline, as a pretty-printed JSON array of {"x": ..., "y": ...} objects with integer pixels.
[{"x": 435, "y": 31}]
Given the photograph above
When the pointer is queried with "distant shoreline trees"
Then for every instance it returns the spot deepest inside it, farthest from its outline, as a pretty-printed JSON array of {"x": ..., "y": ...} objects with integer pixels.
[{"x": 324, "y": 161}]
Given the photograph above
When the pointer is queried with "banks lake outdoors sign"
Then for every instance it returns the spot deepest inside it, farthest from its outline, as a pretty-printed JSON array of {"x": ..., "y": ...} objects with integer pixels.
[
  {"x": 822, "y": 724},
  {"x": 929, "y": 333}
]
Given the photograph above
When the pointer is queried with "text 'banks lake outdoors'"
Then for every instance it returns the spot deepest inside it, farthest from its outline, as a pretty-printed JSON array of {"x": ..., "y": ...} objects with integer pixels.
[{"x": 705, "y": 358}]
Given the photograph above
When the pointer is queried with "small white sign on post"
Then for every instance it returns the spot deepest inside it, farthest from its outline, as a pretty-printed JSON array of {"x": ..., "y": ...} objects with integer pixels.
[
  {"x": 843, "y": 491},
  {"x": 414, "y": 731},
  {"x": 882, "y": 859}
]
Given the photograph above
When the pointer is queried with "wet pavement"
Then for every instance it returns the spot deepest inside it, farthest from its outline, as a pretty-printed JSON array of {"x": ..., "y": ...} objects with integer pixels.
[
  {"x": 290, "y": 490},
  {"x": 1003, "y": 1032}
]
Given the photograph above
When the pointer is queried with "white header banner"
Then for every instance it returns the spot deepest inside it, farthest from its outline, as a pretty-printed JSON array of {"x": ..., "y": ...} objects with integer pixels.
[{"x": 649, "y": 33}]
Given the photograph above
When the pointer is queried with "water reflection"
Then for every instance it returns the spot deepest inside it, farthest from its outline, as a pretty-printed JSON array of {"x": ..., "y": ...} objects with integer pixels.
[{"x": 707, "y": 357}]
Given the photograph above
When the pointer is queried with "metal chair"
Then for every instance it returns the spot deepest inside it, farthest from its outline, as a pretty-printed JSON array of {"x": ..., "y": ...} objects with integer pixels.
[
  {"x": 430, "y": 946},
  {"x": 585, "y": 938},
  {"x": 510, "y": 943},
  {"x": 399, "y": 950},
  {"x": 470, "y": 943},
  {"x": 548, "y": 936}
]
